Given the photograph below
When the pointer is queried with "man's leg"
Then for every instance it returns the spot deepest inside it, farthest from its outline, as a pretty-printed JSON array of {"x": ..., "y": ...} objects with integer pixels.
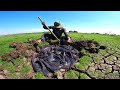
[
  {"x": 39, "y": 41},
  {"x": 43, "y": 38}
]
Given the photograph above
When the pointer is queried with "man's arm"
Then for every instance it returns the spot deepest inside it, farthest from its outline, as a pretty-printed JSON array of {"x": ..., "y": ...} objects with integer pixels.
[
  {"x": 65, "y": 33},
  {"x": 67, "y": 36},
  {"x": 50, "y": 27}
]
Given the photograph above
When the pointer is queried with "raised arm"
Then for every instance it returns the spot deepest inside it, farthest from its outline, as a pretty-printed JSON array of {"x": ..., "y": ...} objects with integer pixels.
[{"x": 50, "y": 27}]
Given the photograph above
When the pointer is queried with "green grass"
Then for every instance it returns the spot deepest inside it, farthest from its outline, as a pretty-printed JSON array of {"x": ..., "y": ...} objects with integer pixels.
[
  {"x": 39, "y": 76},
  {"x": 72, "y": 74},
  {"x": 112, "y": 41},
  {"x": 84, "y": 63},
  {"x": 5, "y": 41}
]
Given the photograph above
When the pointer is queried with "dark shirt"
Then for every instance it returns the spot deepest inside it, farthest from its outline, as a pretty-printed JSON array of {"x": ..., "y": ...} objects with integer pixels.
[{"x": 58, "y": 32}]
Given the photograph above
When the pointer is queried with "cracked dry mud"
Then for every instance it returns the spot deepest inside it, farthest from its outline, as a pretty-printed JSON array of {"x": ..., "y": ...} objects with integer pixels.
[
  {"x": 100, "y": 66},
  {"x": 107, "y": 67}
]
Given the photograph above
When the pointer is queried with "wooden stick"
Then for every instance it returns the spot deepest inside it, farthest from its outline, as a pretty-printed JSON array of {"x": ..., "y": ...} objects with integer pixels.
[{"x": 48, "y": 28}]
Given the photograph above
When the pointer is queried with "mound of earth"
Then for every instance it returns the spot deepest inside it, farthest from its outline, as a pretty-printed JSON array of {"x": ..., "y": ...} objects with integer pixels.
[{"x": 20, "y": 49}]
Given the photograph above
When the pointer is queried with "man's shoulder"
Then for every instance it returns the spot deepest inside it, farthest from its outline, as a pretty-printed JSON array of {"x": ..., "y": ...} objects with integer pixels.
[
  {"x": 63, "y": 28},
  {"x": 51, "y": 27}
]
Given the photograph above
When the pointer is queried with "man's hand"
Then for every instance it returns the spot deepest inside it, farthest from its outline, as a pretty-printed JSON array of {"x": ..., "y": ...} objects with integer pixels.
[
  {"x": 69, "y": 40},
  {"x": 43, "y": 23}
]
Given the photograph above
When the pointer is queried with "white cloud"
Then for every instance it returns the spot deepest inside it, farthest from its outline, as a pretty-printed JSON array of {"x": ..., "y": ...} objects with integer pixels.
[
  {"x": 32, "y": 30},
  {"x": 16, "y": 31},
  {"x": 102, "y": 30},
  {"x": 3, "y": 33}
]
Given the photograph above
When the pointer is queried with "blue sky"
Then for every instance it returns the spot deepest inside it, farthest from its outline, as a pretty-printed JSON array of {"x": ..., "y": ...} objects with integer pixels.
[{"x": 12, "y": 22}]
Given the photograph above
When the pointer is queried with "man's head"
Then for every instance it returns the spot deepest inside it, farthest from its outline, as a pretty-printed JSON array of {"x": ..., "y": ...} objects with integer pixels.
[{"x": 57, "y": 24}]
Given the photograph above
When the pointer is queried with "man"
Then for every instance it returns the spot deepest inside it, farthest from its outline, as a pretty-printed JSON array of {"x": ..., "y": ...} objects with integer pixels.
[{"x": 58, "y": 30}]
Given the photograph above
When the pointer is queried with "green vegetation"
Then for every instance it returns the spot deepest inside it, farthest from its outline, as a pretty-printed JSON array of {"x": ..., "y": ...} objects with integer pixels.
[
  {"x": 11, "y": 68},
  {"x": 39, "y": 76}
]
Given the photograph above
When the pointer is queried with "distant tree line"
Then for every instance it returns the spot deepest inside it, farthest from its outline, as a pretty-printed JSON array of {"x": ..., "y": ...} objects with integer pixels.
[{"x": 73, "y": 31}]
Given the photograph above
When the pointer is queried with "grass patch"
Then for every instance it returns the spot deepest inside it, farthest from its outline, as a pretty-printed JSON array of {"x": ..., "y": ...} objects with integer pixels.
[
  {"x": 72, "y": 74},
  {"x": 100, "y": 74},
  {"x": 84, "y": 62},
  {"x": 83, "y": 76},
  {"x": 39, "y": 75}
]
